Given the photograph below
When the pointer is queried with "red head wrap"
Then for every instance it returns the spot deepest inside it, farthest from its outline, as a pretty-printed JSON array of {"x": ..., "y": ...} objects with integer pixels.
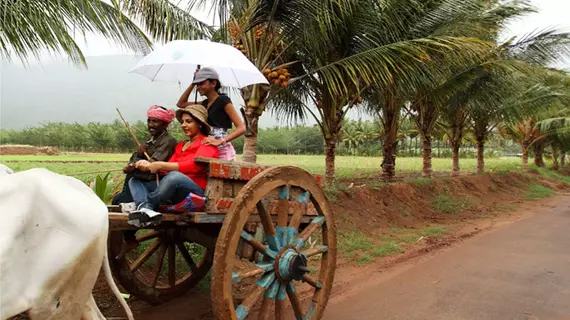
[{"x": 160, "y": 113}]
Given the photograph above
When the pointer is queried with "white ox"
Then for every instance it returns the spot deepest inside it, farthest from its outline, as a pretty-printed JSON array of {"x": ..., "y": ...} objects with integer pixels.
[{"x": 53, "y": 240}]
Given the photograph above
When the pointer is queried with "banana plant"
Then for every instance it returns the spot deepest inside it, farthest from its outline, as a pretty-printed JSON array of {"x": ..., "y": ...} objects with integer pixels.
[{"x": 103, "y": 187}]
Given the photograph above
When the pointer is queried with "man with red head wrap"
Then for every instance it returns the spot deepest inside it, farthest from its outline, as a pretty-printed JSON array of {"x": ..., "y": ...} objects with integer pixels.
[{"x": 159, "y": 146}]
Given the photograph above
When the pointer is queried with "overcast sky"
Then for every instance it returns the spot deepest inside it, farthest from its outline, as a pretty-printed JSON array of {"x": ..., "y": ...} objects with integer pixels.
[{"x": 552, "y": 13}]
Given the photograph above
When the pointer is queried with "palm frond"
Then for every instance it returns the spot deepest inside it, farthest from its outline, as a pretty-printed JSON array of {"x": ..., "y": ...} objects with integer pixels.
[
  {"x": 29, "y": 27},
  {"x": 165, "y": 21},
  {"x": 542, "y": 47}
]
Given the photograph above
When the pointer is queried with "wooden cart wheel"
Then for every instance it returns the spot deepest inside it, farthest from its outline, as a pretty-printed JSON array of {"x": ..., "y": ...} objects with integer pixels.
[
  {"x": 166, "y": 264},
  {"x": 287, "y": 267}
]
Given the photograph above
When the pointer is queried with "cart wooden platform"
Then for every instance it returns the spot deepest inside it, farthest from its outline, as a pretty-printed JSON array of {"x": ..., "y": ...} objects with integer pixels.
[{"x": 267, "y": 234}]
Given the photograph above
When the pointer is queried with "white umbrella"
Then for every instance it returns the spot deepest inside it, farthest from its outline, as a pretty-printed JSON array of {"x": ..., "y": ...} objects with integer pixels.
[{"x": 178, "y": 60}]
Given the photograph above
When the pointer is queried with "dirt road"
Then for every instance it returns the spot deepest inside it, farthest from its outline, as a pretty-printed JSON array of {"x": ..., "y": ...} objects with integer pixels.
[{"x": 517, "y": 271}]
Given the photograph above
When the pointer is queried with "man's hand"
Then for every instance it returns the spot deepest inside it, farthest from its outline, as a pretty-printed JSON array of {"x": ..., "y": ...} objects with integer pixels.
[
  {"x": 130, "y": 168},
  {"x": 141, "y": 150},
  {"x": 143, "y": 165}
]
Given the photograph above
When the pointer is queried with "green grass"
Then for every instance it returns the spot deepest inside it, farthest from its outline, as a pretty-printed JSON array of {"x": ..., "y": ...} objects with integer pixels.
[
  {"x": 451, "y": 205},
  {"x": 434, "y": 232},
  {"x": 421, "y": 182},
  {"x": 387, "y": 249},
  {"x": 362, "y": 249},
  {"x": 397, "y": 230},
  {"x": 364, "y": 259},
  {"x": 553, "y": 175},
  {"x": 409, "y": 239},
  {"x": 354, "y": 240},
  {"x": 537, "y": 192},
  {"x": 346, "y": 166},
  {"x": 71, "y": 156},
  {"x": 505, "y": 207}
]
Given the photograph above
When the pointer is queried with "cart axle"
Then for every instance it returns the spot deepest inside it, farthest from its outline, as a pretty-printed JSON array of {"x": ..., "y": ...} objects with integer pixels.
[{"x": 291, "y": 265}]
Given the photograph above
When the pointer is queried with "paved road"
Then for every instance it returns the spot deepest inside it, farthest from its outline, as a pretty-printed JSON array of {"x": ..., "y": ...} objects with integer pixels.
[{"x": 515, "y": 272}]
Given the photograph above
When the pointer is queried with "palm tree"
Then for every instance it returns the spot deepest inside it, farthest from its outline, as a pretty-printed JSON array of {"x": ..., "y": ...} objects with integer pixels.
[
  {"x": 523, "y": 132},
  {"x": 456, "y": 119},
  {"x": 448, "y": 94},
  {"x": 540, "y": 103},
  {"x": 343, "y": 58}
]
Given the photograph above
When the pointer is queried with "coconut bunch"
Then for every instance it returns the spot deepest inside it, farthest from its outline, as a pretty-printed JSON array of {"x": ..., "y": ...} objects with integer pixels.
[{"x": 278, "y": 77}]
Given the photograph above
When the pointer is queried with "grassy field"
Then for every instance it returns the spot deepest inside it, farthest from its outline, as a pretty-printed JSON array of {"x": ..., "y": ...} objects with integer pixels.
[{"x": 346, "y": 167}]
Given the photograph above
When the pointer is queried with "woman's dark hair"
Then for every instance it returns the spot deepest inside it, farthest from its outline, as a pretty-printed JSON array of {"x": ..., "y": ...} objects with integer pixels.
[
  {"x": 203, "y": 128},
  {"x": 218, "y": 84}
]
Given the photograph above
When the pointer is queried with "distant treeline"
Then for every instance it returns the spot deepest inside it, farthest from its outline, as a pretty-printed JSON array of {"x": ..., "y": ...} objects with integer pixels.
[{"x": 360, "y": 138}]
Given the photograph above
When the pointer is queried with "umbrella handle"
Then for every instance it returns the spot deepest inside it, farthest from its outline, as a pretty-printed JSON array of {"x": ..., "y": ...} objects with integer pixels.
[{"x": 196, "y": 95}]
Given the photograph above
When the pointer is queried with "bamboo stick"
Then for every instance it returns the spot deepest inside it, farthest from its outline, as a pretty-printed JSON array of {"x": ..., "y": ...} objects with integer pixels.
[
  {"x": 136, "y": 140},
  {"x": 92, "y": 172}
]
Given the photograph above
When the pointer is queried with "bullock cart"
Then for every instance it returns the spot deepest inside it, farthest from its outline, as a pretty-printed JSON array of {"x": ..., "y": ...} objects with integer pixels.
[{"x": 267, "y": 236}]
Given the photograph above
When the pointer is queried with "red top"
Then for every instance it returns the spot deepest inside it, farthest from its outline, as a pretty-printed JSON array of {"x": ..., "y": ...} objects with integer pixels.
[{"x": 185, "y": 159}]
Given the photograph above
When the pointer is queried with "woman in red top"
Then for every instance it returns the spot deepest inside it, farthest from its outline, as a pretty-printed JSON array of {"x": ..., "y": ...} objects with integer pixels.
[{"x": 182, "y": 174}]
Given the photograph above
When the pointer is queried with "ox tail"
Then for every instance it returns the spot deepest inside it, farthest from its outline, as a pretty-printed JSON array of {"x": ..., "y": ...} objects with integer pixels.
[{"x": 111, "y": 282}]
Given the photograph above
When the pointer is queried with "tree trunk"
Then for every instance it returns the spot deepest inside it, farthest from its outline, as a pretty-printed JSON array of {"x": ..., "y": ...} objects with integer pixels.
[
  {"x": 538, "y": 150},
  {"x": 562, "y": 159},
  {"x": 330, "y": 149},
  {"x": 390, "y": 122},
  {"x": 250, "y": 139},
  {"x": 455, "y": 158},
  {"x": 480, "y": 155},
  {"x": 525, "y": 154},
  {"x": 555, "y": 165},
  {"x": 255, "y": 100},
  {"x": 427, "y": 169},
  {"x": 389, "y": 155}
]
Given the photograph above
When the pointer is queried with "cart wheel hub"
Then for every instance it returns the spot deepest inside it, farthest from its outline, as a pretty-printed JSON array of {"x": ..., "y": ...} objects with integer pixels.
[{"x": 291, "y": 265}]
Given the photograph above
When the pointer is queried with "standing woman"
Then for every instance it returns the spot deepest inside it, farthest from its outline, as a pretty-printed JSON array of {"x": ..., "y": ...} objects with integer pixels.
[{"x": 221, "y": 112}]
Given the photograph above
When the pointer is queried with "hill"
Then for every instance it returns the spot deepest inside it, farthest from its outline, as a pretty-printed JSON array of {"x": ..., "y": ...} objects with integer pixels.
[{"x": 60, "y": 91}]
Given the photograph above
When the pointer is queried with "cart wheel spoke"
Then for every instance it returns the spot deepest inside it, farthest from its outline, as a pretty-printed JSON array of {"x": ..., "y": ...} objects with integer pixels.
[
  {"x": 172, "y": 265},
  {"x": 295, "y": 302},
  {"x": 312, "y": 227},
  {"x": 268, "y": 226},
  {"x": 280, "y": 309},
  {"x": 299, "y": 210},
  {"x": 243, "y": 309},
  {"x": 308, "y": 279},
  {"x": 257, "y": 245},
  {"x": 283, "y": 215},
  {"x": 150, "y": 235},
  {"x": 145, "y": 255},
  {"x": 314, "y": 251},
  {"x": 265, "y": 310},
  {"x": 158, "y": 265},
  {"x": 186, "y": 256},
  {"x": 259, "y": 269}
]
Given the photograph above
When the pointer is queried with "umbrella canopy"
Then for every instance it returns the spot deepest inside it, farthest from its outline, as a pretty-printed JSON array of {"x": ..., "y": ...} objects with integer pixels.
[{"x": 178, "y": 60}]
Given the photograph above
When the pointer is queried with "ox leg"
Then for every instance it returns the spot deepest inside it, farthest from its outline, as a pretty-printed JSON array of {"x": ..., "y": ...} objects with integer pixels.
[
  {"x": 91, "y": 311},
  {"x": 66, "y": 294}
]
